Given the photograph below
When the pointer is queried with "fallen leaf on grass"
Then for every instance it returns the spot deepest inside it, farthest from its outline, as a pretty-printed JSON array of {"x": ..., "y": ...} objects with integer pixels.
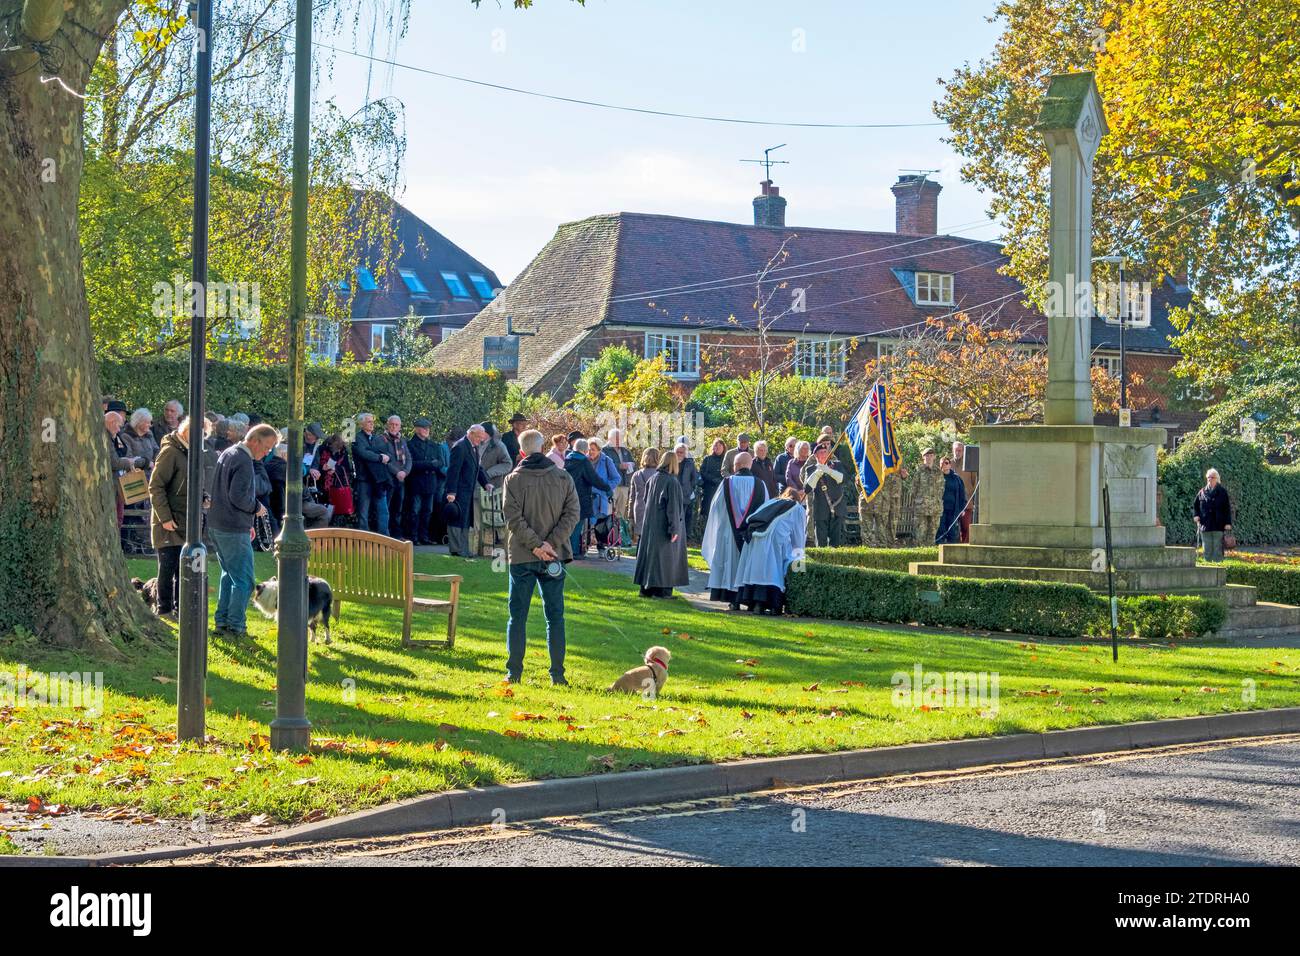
[
  {"x": 524, "y": 715},
  {"x": 164, "y": 679},
  {"x": 671, "y": 732},
  {"x": 448, "y": 728},
  {"x": 606, "y": 760},
  {"x": 306, "y": 781},
  {"x": 813, "y": 686},
  {"x": 511, "y": 733}
]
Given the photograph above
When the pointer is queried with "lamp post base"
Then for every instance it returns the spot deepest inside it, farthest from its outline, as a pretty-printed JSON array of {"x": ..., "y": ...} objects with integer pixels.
[{"x": 290, "y": 733}]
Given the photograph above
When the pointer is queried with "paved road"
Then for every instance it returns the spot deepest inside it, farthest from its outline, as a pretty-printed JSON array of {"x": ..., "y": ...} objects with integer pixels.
[{"x": 1202, "y": 805}]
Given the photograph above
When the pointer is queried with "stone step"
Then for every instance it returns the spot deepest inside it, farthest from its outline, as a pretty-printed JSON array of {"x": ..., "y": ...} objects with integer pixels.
[
  {"x": 1085, "y": 559},
  {"x": 1233, "y": 595},
  {"x": 1263, "y": 616},
  {"x": 1066, "y": 536},
  {"x": 1126, "y": 581}
]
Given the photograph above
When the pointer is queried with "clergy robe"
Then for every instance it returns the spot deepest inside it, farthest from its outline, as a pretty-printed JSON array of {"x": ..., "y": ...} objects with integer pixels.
[
  {"x": 738, "y": 496},
  {"x": 777, "y": 533}
]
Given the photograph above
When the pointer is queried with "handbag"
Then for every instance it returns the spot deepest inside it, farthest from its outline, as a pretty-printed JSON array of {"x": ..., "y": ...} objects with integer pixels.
[
  {"x": 134, "y": 485},
  {"x": 1229, "y": 541},
  {"x": 340, "y": 493}
]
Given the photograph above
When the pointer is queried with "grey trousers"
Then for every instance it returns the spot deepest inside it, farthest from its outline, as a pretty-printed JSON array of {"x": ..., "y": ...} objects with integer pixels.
[
  {"x": 1212, "y": 543},
  {"x": 458, "y": 542}
]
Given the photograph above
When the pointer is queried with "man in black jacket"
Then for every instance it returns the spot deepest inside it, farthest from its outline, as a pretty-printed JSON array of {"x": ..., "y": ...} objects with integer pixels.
[
  {"x": 954, "y": 503},
  {"x": 424, "y": 484},
  {"x": 463, "y": 473},
  {"x": 370, "y": 457},
  {"x": 511, "y": 438},
  {"x": 399, "y": 467},
  {"x": 1212, "y": 511},
  {"x": 585, "y": 479}
]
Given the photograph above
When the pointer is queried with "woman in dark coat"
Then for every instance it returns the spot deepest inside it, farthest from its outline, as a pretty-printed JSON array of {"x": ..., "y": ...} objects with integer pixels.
[
  {"x": 661, "y": 553},
  {"x": 168, "y": 491},
  {"x": 1212, "y": 512},
  {"x": 586, "y": 481},
  {"x": 711, "y": 475}
]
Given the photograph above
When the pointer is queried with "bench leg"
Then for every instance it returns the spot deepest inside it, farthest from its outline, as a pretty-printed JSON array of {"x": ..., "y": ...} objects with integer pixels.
[
  {"x": 451, "y": 616},
  {"x": 406, "y": 627}
]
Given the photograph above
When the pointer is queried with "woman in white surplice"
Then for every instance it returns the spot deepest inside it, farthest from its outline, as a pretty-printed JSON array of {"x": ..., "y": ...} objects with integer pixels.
[{"x": 776, "y": 534}]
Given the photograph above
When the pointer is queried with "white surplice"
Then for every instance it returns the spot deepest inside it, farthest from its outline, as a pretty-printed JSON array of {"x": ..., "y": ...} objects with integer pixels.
[
  {"x": 769, "y": 553},
  {"x": 718, "y": 547}
]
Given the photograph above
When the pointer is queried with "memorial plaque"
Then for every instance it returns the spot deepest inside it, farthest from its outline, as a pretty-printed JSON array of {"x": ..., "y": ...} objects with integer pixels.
[{"x": 1128, "y": 495}]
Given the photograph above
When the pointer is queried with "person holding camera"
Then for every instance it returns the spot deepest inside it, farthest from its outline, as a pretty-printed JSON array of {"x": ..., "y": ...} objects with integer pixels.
[{"x": 541, "y": 510}]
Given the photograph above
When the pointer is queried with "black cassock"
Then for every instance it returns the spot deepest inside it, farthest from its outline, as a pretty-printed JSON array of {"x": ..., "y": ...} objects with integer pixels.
[{"x": 660, "y": 561}]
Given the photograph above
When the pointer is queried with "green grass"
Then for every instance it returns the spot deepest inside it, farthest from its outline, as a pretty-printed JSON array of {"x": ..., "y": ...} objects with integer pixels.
[{"x": 428, "y": 720}]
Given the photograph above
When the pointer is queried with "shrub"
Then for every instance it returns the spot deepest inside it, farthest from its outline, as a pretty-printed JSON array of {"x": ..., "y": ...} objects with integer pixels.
[
  {"x": 1273, "y": 582},
  {"x": 843, "y": 592},
  {"x": 1022, "y": 607},
  {"x": 1263, "y": 496},
  {"x": 855, "y": 594},
  {"x": 883, "y": 559},
  {"x": 614, "y": 364},
  {"x": 333, "y": 394},
  {"x": 715, "y": 400}
]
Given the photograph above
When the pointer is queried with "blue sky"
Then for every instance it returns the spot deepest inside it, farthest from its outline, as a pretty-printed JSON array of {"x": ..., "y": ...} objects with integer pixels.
[{"x": 497, "y": 172}]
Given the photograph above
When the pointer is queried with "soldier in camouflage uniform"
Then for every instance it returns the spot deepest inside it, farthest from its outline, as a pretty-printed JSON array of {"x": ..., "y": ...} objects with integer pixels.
[
  {"x": 879, "y": 517},
  {"x": 928, "y": 499}
]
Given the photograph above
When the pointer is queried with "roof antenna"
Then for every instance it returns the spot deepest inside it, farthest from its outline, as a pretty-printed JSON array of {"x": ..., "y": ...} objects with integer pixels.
[
  {"x": 923, "y": 174},
  {"x": 767, "y": 162}
]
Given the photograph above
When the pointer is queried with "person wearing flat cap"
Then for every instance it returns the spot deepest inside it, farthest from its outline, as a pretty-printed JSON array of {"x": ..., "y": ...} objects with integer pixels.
[
  {"x": 424, "y": 486},
  {"x": 510, "y": 439},
  {"x": 729, "y": 459}
]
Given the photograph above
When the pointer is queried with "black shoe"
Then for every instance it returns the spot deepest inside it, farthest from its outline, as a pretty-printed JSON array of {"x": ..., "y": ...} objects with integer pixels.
[
  {"x": 559, "y": 682},
  {"x": 514, "y": 678}
]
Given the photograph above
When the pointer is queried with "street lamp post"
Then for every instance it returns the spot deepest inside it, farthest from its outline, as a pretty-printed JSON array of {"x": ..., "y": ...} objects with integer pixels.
[
  {"x": 291, "y": 730},
  {"x": 192, "y": 645}
]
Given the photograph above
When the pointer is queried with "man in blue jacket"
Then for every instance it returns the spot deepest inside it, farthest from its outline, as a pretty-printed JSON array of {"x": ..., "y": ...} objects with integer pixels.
[{"x": 230, "y": 521}]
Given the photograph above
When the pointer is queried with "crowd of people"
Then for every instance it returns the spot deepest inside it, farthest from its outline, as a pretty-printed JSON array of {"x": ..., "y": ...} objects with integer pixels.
[{"x": 555, "y": 500}]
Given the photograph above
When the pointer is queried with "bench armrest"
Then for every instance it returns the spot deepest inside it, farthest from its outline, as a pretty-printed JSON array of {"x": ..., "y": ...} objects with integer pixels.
[{"x": 420, "y": 576}]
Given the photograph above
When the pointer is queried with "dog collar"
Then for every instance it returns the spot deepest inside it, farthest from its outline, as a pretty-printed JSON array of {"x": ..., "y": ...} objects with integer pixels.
[{"x": 659, "y": 662}]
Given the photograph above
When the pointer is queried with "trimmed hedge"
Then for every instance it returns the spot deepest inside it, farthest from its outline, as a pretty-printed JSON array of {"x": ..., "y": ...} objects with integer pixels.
[
  {"x": 333, "y": 394},
  {"x": 1265, "y": 498},
  {"x": 1043, "y": 608},
  {"x": 1279, "y": 583},
  {"x": 883, "y": 559}
]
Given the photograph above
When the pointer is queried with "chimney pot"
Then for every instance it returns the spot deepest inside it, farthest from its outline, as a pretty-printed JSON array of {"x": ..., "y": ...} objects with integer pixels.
[
  {"x": 916, "y": 208},
  {"x": 769, "y": 207}
]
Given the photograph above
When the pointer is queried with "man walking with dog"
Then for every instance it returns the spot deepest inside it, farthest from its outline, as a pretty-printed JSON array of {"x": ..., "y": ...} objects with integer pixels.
[
  {"x": 541, "y": 510},
  {"x": 230, "y": 521}
]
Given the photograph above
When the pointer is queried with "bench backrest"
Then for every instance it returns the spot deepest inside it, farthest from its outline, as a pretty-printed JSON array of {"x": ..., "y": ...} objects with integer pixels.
[{"x": 362, "y": 566}]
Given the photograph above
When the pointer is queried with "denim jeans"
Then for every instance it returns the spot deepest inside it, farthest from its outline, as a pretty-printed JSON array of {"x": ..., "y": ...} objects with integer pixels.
[
  {"x": 524, "y": 580},
  {"x": 372, "y": 507},
  {"x": 235, "y": 552},
  {"x": 1212, "y": 543}
]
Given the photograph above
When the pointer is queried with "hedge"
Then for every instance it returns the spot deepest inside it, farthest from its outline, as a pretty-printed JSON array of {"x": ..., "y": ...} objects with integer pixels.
[
  {"x": 333, "y": 394},
  {"x": 1279, "y": 583},
  {"x": 1265, "y": 498},
  {"x": 1045, "y": 608},
  {"x": 883, "y": 559}
]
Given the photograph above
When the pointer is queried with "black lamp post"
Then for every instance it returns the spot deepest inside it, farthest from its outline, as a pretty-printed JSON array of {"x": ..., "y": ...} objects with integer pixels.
[
  {"x": 291, "y": 730},
  {"x": 192, "y": 645}
]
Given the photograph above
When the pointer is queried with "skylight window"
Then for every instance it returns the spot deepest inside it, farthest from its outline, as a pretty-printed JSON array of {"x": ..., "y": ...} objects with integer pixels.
[
  {"x": 456, "y": 287},
  {"x": 413, "y": 282},
  {"x": 366, "y": 280},
  {"x": 482, "y": 287}
]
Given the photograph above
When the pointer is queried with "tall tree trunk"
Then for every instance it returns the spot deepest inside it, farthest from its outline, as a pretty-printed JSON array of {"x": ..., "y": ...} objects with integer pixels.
[{"x": 62, "y": 574}]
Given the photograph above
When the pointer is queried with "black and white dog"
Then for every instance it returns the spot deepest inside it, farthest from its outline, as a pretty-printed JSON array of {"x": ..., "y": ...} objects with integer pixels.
[
  {"x": 320, "y": 601},
  {"x": 148, "y": 590}
]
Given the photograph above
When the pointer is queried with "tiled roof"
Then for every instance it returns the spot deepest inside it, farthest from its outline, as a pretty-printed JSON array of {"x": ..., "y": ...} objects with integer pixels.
[
  {"x": 629, "y": 269},
  {"x": 428, "y": 253}
]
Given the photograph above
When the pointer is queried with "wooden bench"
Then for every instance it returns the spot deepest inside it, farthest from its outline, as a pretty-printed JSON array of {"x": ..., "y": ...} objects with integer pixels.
[{"x": 367, "y": 568}]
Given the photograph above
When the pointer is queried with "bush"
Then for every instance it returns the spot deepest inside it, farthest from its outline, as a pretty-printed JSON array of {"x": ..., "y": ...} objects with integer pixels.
[
  {"x": 614, "y": 364},
  {"x": 855, "y": 594},
  {"x": 1263, "y": 496},
  {"x": 715, "y": 400},
  {"x": 883, "y": 559},
  {"x": 1022, "y": 607},
  {"x": 333, "y": 394},
  {"x": 1273, "y": 582},
  {"x": 842, "y": 592}
]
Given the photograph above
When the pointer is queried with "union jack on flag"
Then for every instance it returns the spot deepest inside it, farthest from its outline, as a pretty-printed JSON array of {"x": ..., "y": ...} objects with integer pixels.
[{"x": 871, "y": 438}]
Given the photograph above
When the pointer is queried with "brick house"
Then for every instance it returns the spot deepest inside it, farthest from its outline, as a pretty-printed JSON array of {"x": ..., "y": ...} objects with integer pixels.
[
  {"x": 686, "y": 288},
  {"x": 427, "y": 274}
]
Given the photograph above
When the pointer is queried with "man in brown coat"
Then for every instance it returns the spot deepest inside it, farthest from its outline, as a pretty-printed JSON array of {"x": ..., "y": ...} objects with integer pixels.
[{"x": 541, "y": 510}]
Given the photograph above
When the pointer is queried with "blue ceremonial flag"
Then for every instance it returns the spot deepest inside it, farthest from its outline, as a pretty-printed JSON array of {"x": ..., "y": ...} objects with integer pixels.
[{"x": 871, "y": 438}]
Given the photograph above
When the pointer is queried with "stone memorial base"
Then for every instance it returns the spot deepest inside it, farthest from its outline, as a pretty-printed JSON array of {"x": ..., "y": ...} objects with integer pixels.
[{"x": 1042, "y": 519}]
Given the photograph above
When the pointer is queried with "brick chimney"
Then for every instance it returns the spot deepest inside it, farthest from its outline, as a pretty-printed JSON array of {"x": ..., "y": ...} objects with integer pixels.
[
  {"x": 916, "y": 210},
  {"x": 769, "y": 208}
]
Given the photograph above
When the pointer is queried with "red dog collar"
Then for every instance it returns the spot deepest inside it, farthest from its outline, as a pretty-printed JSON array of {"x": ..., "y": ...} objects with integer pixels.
[{"x": 659, "y": 662}]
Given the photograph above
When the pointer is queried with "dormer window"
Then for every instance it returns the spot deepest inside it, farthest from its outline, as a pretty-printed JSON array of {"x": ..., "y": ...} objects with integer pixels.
[
  {"x": 1137, "y": 306},
  {"x": 934, "y": 288},
  {"x": 482, "y": 287},
  {"x": 413, "y": 283},
  {"x": 455, "y": 286}
]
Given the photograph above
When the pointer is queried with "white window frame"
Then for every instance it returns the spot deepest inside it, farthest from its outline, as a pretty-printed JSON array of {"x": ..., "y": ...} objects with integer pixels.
[
  {"x": 681, "y": 348},
  {"x": 449, "y": 330},
  {"x": 1107, "y": 361},
  {"x": 384, "y": 330},
  {"x": 820, "y": 358},
  {"x": 322, "y": 339},
  {"x": 940, "y": 282}
]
